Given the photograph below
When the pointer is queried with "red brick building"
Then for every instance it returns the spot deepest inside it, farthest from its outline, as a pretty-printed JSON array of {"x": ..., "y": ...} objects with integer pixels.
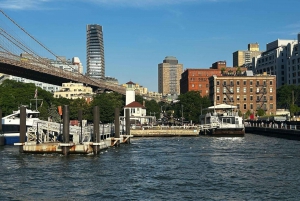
[{"x": 197, "y": 79}]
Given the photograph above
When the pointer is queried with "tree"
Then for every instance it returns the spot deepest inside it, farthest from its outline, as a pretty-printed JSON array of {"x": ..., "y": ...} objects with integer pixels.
[
  {"x": 260, "y": 112},
  {"x": 223, "y": 70},
  {"x": 288, "y": 97}
]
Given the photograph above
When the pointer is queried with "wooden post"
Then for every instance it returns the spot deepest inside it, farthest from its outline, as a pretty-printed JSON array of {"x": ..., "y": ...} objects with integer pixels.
[
  {"x": 66, "y": 129},
  {"x": 96, "y": 148},
  {"x": 127, "y": 112},
  {"x": 22, "y": 127}
]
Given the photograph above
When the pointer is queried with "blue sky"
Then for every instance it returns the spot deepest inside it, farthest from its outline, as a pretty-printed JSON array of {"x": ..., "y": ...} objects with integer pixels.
[{"x": 139, "y": 34}]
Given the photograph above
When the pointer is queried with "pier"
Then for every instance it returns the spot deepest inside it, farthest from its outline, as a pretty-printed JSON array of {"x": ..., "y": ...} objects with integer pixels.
[{"x": 50, "y": 137}]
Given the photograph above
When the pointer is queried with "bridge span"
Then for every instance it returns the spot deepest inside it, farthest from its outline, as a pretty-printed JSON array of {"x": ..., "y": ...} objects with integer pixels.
[{"x": 45, "y": 72}]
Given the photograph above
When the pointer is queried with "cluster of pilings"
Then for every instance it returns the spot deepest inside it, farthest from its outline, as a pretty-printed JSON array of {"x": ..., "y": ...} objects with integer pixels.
[{"x": 67, "y": 147}]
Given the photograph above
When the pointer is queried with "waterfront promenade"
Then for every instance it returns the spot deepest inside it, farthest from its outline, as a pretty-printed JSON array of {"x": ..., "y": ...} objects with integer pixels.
[{"x": 285, "y": 129}]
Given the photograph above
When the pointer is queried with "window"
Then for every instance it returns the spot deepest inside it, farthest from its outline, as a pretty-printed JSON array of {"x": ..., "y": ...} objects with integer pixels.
[
  {"x": 271, "y": 106},
  {"x": 237, "y": 82},
  {"x": 257, "y": 82},
  {"x": 257, "y": 90},
  {"x": 251, "y": 82},
  {"x": 231, "y": 89},
  {"x": 218, "y": 89},
  {"x": 245, "y": 106},
  {"x": 271, "y": 89},
  {"x": 251, "y": 89},
  {"x": 238, "y": 106},
  {"x": 218, "y": 98},
  {"x": 193, "y": 85},
  {"x": 251, "y": 98},
  {"x": 238, "y": 89},
  {"x": 271, "y": 97},
  {"x": 245, "y": 98},
  {"x": 271, "y": 82},
  {"x": 206, "y": 85},
  {"x": 245, "y": 82},
  {"x": 251, "y": 106},
  {"x": 218, "y": 83},
  {"x": 245, "y": 89},
  {"x": 200, "y": 85},
  {"x": 238, "y": 97},
  {"x": 224, "y": 98},
  {"x": 224, "y": 89}
]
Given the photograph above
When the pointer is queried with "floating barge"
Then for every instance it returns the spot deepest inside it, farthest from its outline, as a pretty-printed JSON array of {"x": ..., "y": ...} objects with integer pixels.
[
  {"x": 165, "y": 131},
  {"x": 45, "y": 136},
  {"x": 73, "y": 148}
]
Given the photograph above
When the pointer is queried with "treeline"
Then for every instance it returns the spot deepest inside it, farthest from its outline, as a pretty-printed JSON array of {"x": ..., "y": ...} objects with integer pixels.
[{"x": 14, "y": 94}]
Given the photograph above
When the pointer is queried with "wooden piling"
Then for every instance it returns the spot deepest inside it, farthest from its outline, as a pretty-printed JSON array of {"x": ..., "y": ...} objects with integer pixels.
[
  {"x": 80, "y": 122},
  {"x": 22, "y": 127},
  {"x": 1, "y": 131},
  {"x": 96, "y": 147},
  {"x": 66, "y": 129},
  {"x": 127, "y": 120}
]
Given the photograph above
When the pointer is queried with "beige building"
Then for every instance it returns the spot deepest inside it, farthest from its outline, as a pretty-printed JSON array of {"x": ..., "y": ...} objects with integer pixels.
[
  {"x": 74, "y": 90},
  {"x": 248, "y": 92},
  {"x": 169, "y": 74},
  {"x": 243, "y": 58},
  {"x": 137, "y": 88}
]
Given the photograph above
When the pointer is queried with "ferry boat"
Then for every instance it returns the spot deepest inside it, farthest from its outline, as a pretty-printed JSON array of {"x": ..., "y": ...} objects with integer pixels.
[
  {"x": 222, "y": 120},
  {"x": 11, "y": 125}
]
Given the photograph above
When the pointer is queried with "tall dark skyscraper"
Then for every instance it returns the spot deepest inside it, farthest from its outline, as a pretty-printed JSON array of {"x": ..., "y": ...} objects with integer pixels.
[{"x": 95, "y": 52}]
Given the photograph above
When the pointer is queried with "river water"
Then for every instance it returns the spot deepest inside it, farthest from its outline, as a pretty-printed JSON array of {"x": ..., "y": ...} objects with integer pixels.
[{"x": 178, "y": 168}]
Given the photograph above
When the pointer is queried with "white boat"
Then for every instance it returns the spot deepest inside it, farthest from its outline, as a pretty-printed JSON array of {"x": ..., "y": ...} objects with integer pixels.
[
  {"x": 222, "y": 120},
  {"x": 11, "y": 125}
]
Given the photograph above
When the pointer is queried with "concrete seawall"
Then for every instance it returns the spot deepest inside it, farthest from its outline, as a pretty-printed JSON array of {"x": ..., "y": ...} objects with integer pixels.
[{"x": 290, "y": 134}]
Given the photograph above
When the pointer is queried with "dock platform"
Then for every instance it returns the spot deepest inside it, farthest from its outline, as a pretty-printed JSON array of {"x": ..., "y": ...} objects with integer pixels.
[{"x": 165, "y": 131}]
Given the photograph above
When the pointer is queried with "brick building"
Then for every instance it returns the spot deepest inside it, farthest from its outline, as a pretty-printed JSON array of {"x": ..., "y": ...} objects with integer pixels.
[
  {"x": 197, "y": 79},
  {"x": 247, "y": 92}
]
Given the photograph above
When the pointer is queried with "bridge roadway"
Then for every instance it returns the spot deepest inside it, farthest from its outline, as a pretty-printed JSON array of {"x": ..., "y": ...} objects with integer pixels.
[{"x": 50, "y": 74}]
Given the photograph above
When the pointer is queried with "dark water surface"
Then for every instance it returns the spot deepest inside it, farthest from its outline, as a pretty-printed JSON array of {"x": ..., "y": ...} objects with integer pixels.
[{"x": 181, "y": 168}]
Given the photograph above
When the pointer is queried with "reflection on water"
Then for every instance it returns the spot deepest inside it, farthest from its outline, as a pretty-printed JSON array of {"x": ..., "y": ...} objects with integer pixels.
[{"x": 189, "y": 168}]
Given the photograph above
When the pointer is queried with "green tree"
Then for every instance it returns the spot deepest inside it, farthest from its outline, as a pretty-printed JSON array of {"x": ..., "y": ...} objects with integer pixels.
[
  {"x": 261, "y": 112},
  {"x": 288, "y": 97}
]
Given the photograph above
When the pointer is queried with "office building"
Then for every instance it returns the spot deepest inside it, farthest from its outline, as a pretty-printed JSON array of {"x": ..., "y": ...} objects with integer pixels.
[
  {"x": 169, "y": 74},
  {"x": 95, "y": 52},
  {"x": 247, "y": 92},
  {"x": 282, "y": 59},
  {"x": 243, "y": 58}
]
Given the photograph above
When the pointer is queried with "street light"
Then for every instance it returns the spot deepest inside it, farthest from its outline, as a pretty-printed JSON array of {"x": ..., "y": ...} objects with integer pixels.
[{"x": 182, "y": 115}]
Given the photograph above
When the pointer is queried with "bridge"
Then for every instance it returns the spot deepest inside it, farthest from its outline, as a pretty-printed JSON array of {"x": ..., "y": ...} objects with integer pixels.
[{"x": 37, "y": 67}]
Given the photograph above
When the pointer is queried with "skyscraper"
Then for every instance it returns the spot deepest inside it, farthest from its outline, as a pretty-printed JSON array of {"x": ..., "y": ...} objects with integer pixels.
[
  {"x": 95, "y": 51},
  {"x": 169, "y": 74}
]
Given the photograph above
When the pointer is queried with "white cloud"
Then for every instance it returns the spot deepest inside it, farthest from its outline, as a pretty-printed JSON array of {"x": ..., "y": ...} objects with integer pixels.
[
  {"x": 22, "y": 4},
  {"x": 42, "y": 4}
]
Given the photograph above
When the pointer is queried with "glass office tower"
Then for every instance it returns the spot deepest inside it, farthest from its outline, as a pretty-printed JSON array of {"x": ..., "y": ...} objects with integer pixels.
[{"x": 95, "y": 52}]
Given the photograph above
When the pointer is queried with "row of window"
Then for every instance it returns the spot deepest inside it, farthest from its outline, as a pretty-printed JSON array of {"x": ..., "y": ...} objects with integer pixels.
[
  {"x": 258, "y": 106},
  {"x": 231, "y": 90},
  {"x": 238, "y": 98},
  {"x": 231, "y": 82}
]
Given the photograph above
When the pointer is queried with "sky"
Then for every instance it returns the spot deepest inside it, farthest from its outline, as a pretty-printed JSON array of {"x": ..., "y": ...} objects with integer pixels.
[{"x": 139, "y": 34}]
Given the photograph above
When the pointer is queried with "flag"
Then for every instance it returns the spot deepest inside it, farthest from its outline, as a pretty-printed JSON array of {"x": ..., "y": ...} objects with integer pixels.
[
  {"x": 35, "y": 94},
  {"x": 42, "y": 104}
]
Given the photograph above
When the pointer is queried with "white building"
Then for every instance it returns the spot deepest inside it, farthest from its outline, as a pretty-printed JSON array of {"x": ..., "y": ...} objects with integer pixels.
[
  {"x": 73, "y": 91},
  {"x": 137, "y": 110},
  {"x": 282, "y": 59}
]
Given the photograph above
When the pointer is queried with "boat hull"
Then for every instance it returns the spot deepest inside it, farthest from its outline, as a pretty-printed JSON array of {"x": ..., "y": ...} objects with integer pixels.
[
  {"x": 225, "y": 132},
  {"x": 10, "y": 140}
]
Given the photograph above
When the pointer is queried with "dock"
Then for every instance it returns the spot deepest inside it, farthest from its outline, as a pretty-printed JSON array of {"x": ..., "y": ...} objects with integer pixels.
[
  {"x": 49, "y": 137},
  {"x": 164, "y": 131}
]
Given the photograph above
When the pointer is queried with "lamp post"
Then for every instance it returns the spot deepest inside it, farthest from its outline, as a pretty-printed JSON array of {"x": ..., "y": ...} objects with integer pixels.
[{"x": 182, "y": 115}]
